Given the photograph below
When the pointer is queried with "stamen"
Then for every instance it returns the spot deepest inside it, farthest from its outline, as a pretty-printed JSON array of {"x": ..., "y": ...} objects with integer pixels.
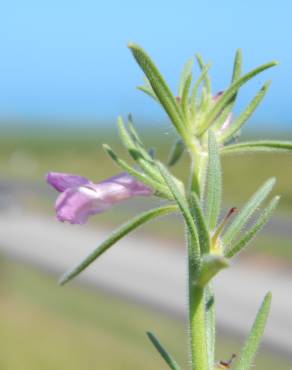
[
  {"x": 222, "y": 225},
  {"x": 227, "y": 365}
]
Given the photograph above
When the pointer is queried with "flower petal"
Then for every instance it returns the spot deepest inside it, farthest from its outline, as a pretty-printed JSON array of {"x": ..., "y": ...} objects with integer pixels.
[
  {"x": 75, "y": 205},
  {"x": 62, "y": 181}
]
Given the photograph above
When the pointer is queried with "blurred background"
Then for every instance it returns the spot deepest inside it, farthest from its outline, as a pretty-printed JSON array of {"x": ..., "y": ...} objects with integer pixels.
[{"x": 66, "y": 75}]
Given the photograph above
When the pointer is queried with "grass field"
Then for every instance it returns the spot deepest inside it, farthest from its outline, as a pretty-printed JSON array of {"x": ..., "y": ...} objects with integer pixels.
[{"x": 46, "y": 327}]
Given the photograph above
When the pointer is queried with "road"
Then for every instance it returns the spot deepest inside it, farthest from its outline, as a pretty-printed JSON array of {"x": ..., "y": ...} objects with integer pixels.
[{"x": 152, "y": 273}]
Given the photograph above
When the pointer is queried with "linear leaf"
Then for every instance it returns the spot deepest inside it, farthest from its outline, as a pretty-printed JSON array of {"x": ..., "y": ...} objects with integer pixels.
[
  {"x": 200, "y": 221},
  {"x": 247, "y": 211},
  {"x": 137, "y": 151},
  {"x": 210, "y": 266},
  {"x": 115, "y": 237},
  {"x": 163, "y": 353},
  {"x": 148, "y": 91},
  {"x": 244, "y": 116},
  {"x": 175, "y": 153},
  {"x": 235, "y": 76},
  {"x": 185, "y": 98},
  {"x": 249, "y": 350},
  {"x": 162, "y": 190},
  {"x": 249, "y": 235},
  {"x": 230, "y": 92},
  {"x": 202, "y": 65},
  {"x": 258, "y": 146},
  {"x": 214, "y": 182},
  {"x": 184, "y": 208},
  {"x": 237, "y": 66},
  {"x": 186, "y": 72},
  {"x": 159, "y": 86},
  {"x": 197, "y": 84}
]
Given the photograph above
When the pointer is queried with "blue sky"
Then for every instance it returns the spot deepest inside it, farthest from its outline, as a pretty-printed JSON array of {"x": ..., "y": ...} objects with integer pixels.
[{"x": 68, "y": 59}]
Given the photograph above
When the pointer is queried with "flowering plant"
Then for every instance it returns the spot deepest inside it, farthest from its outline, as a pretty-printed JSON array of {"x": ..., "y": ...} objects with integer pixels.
[{"x": 206, "y": 130}]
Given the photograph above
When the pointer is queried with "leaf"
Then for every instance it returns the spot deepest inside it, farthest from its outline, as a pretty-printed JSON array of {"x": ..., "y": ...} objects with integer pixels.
[
  {"x": 184, "y": 208},
  {"x": 137, "y": 151},
  {"x": 244, "y": 116},
  {"x": 202, "y": 65},
  {"x": 162, "y": 190},
  {"x": 214, "y": 182},
  {"x": 258, "y": 146},
  {"x": 160, "y": 88},
  {"x": 185, "y": 74},
  {"x": 175, "y": 153},
  {"x": 229, "y": 93},
  {"x": 198, "y": 216},
  {"x": 210, "y": 266},
  {"x": 115, "y": 237},
  {"x": 249, "y": 235},
  {"x": 185, "y": 98},
  {"x": 247, "y": 211},
  {"x": 196, "y": 86},
  {"x": 237, "y": 66},
  {"x": 164, "y": 354},
  {"x": 235, "y": 76},
  {"x": 148, "y": 91},
  {"x": 249, "y": 350}
]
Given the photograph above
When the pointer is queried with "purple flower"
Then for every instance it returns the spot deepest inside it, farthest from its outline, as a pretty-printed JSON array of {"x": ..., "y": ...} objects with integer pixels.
[{"x": 81, "y": 198}]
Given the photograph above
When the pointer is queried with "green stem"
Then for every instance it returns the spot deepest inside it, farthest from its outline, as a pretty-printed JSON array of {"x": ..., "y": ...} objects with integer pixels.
[
  {"x": 199, "y": 162},
  {"x": 197, "y": 328}
]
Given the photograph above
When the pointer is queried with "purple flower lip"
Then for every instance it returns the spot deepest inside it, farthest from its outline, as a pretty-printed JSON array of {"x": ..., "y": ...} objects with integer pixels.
[{"x": 81, "y": 198}]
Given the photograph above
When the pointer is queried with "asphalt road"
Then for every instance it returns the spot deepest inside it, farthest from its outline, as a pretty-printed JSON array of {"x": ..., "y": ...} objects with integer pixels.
[{"x": 150, "y": 272}]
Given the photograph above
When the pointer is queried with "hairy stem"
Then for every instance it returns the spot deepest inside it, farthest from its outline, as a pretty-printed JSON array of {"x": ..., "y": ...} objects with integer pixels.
[{"x": 197, "y": 328}]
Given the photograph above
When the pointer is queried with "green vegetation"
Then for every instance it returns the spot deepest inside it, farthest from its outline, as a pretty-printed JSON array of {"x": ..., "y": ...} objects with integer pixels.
[
  {"x": 43, "y": 326},
  {"x": 27, "y": 156}
]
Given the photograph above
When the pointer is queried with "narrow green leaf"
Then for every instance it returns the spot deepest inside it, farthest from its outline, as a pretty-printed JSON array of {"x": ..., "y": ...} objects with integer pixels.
[
  {"x": 210, "y": 322},
  {"x": 163, "y": 353},
  {"x": 250, "y": 347},
  {"x": 185, "y": 74},
  {"x": 201, "y": 78},
  {"x": 135, "y": 135},
  {"x": 137, "y": 151},
  {"x": 247, "y": 211},
  {"x": 229, "y": 93},
  {"x": 237, "y": 66},
  {"x": 184, "y": 208},
  {"x": 244, "y": 116},
  {"x": 249, "y": 235},
  {"x": 202, "y": 65},
  {"x": 214, "y": 182},
  {"x": 205, "y": 98},
  {"x": 162, "y": 190},
  {"x": 185, "y": 98},
  {"x": 235, "y": 76},
  {"x": 175, "y": 153},
  {"x": 115, "y": 237},
  {"x": 148, "y": 91},
  {"x": 210, "y": 266},
  {"x": 228, "y": 107},
  {"x": 258, "y": 146},
  {"x": 198, "y": 216},
  {"x": 160, "y": 88}
]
